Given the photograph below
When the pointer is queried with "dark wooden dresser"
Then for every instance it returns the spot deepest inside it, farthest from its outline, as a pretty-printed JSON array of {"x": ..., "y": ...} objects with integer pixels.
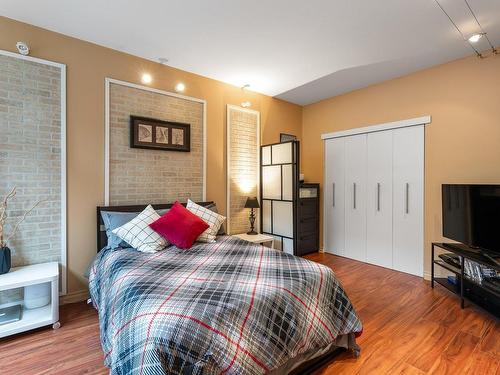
[{"x": 307, "y": 219}]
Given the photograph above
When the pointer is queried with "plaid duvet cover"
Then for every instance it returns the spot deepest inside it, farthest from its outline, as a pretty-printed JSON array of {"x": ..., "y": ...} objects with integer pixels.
[{"x": 229, "y": 307}]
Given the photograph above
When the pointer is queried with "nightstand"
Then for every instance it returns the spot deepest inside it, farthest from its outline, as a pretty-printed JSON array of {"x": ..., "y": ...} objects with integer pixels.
[
  {"x": 36, "y": 317},
  {"x": 257, "y": 238}
]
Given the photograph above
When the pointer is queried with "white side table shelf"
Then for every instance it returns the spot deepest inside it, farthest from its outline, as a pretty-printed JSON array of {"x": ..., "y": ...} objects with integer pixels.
[
  {"x": 257, "y": 238},
  {"x": 38, "y": 317}
]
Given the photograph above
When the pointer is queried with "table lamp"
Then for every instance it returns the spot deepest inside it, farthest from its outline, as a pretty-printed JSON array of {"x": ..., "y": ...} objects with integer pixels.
[{"x": 252, "y": 203}]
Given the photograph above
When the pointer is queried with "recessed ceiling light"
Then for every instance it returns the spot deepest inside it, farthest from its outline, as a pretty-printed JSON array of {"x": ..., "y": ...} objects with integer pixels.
[
  {"x": 475, "y": 38},
  {"x": 246, "y": 104},
  {"x": 180, "y": 87},
  {"x": 146, "y": 78}
]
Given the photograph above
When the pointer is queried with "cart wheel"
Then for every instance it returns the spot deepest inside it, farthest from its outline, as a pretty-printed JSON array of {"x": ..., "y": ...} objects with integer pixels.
[{"x": 56, "y": 325}]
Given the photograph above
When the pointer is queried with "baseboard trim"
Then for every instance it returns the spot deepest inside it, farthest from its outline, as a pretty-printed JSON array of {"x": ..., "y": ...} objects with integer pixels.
[
  {"x": 426, "y": 275},
  {"x": 80, "y": 295}
]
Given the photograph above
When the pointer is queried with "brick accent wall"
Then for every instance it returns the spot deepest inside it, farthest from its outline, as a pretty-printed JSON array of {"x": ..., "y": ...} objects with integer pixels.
[
  {"x": 244, "y": 170},
  {"x": 30, "y": 156},
  {"x": 150, "y": 176}
]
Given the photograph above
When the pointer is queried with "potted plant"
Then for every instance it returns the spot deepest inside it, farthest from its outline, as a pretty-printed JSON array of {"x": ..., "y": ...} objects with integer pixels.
[{"x": 5, "y": 256}]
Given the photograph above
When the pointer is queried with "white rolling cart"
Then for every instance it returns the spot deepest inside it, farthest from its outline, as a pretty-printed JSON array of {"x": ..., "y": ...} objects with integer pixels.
[{"x": 21, "y": 277}]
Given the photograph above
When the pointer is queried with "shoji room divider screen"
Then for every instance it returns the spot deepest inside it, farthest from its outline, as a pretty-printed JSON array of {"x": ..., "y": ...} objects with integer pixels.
[{"x": 279, "y": 185}]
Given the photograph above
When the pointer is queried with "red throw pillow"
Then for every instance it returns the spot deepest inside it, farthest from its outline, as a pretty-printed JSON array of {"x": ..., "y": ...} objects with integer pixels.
[{"x": 179, "y": 226}]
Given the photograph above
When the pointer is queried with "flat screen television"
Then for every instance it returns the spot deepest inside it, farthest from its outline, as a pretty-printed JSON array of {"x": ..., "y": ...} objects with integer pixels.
[{"x": 471, "y": 215}]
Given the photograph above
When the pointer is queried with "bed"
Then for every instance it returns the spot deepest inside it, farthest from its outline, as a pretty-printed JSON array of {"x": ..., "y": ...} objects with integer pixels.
[{"x": 229, "y": 307}]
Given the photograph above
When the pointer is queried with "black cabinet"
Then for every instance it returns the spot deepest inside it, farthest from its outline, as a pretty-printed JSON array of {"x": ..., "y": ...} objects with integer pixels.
[{"x": 308, "y": 219}]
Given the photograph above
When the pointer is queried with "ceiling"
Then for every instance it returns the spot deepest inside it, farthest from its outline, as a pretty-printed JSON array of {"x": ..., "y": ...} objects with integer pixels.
[{"x": 296, "y": 50}]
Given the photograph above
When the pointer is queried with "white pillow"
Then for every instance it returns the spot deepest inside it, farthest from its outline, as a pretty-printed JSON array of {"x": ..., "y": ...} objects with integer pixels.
[
  {"x": 139, "y": 235},
  {"x": 213, "y": 219}
]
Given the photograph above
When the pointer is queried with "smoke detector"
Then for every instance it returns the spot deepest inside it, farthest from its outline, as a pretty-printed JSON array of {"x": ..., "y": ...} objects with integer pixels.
[{"x": 23, "y": 48}]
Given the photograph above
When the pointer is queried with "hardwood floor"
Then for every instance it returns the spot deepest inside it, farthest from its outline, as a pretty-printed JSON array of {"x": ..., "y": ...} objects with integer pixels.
[{"x": 409, "y": 328}]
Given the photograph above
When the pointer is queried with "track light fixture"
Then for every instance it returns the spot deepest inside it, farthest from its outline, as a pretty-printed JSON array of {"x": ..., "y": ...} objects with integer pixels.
[
  {"x": 474, "y": 38},
  {"x": 482, "y": 33}
]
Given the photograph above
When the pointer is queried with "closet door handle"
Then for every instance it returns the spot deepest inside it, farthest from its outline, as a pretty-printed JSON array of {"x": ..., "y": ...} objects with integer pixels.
[
  {"x": 407, "y": 198},
  {"x": 333, "y": 194},
  {"x": 378, "y": 196},
  {"x": 354, "y": 194}
]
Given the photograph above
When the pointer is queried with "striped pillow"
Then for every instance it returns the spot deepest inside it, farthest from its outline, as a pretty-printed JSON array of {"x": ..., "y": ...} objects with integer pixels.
[
  {"x": 213, "y": 219},
  {"x": 139, "y": 235}
]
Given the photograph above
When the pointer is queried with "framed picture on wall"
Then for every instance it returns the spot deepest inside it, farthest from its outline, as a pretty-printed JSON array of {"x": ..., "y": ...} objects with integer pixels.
[
  {"x": 156, "y": 134},
  {"x": 287, "y": 137}
]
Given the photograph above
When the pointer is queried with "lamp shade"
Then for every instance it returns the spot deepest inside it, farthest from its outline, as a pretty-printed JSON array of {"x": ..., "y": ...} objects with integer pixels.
[{"x": 252, "y": 202}]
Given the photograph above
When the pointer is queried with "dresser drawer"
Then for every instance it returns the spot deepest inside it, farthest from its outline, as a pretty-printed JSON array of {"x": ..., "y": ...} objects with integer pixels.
[
  {"x": 307, "y": 243},
  {"x": 307, "y": 236},
  {"x": 308, "y": 208},
  {"x": 308, "y": 225}
]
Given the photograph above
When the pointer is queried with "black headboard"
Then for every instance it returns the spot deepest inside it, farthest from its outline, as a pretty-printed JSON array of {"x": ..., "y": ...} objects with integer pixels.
[{"x": 102, "y": 239}]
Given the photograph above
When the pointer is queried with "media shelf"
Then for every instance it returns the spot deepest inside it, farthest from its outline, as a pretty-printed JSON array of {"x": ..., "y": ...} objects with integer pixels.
[{"x": 485, "y": 295}]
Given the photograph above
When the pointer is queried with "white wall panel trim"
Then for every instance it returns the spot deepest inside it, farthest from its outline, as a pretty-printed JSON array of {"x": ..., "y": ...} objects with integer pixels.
[
  {"x": 230, "y": 108},
  {"x": 62, "y": 67},
  {"x": 379, "y": 127},
  {"x": 107, "y": 83}
]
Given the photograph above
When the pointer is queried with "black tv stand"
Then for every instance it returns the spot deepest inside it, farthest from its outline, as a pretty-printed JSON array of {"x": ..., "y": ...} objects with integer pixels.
[
  {"x": 490, "y": 258},
  {"x": 485, "y": 295}
]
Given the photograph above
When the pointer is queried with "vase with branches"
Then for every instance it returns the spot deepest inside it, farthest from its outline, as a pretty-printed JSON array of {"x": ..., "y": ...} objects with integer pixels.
[{"x": 5, "y": 255}]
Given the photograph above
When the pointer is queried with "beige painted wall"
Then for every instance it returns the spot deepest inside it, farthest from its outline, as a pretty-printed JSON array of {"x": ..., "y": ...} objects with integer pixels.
[
  {"x": 87, "y": 66},
  {"x": 462, "y": 142}
]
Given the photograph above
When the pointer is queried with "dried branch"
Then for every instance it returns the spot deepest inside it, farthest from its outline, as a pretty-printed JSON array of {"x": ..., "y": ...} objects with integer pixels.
[
  {"x": 3, "y": 207},
  {"x": 14, "y": 230},
  {"x": 3, "y": 214}
]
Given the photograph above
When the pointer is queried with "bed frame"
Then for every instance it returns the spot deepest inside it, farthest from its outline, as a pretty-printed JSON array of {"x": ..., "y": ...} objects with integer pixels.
[
  {"x": 314, "y": 364},
  {"x": 102, "y": 239}
]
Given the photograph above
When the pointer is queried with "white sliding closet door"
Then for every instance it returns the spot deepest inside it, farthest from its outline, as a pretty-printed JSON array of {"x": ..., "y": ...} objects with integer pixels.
[
  {"x": 334, "y": 197},
  {"x": 408, "y": 169},
  {"x": 355, "y": 190},
  {"x": 379, "y": 199}
]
